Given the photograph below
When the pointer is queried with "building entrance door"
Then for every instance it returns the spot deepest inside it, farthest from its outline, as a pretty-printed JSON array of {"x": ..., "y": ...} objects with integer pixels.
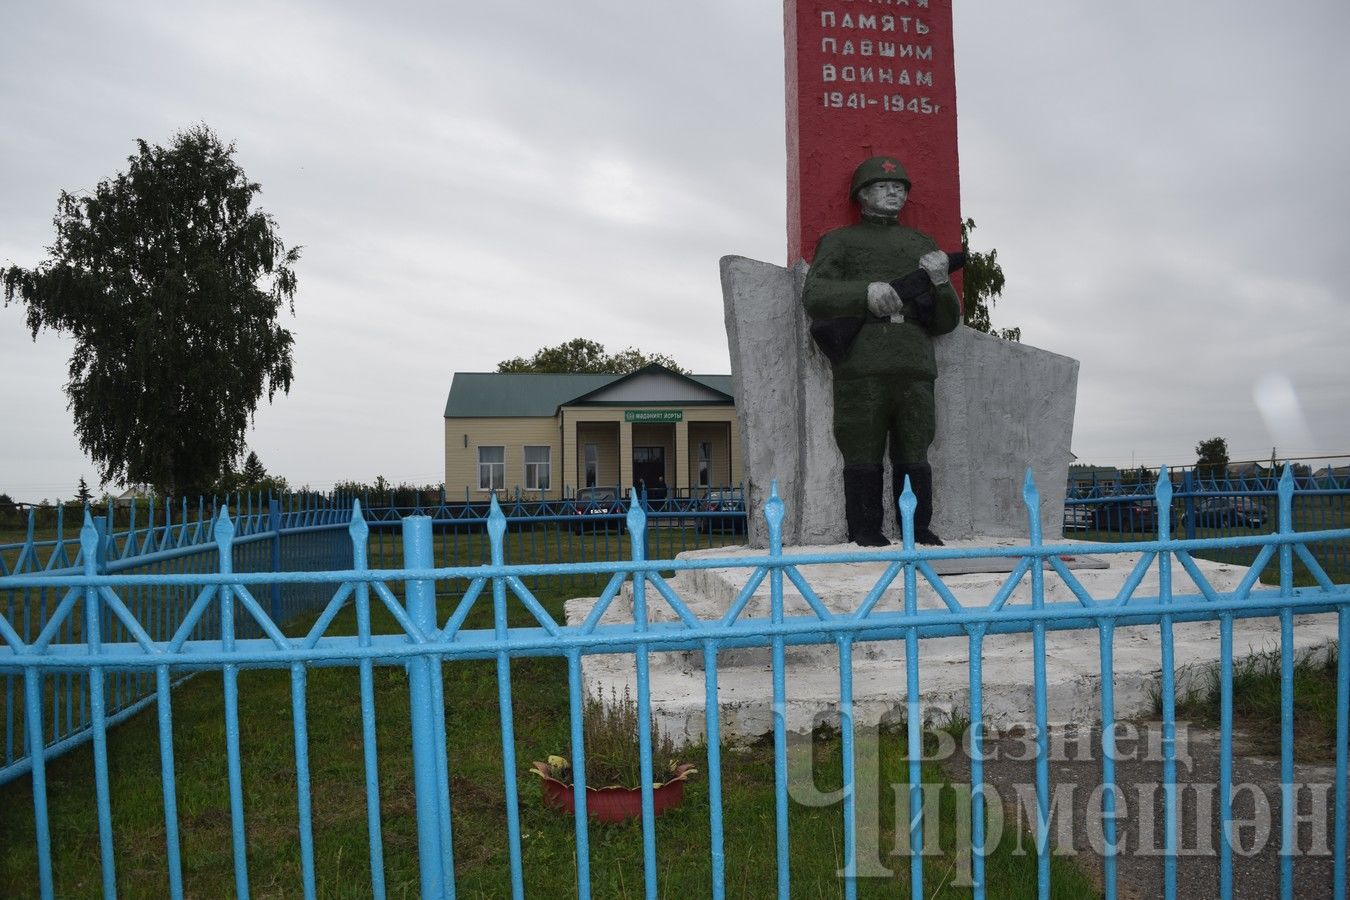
[{"x": 649, "y": 468}]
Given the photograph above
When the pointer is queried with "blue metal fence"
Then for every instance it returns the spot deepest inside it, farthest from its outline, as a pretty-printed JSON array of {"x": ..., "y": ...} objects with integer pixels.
[
  {"x": 269, "y": 536},
  {"x": 426, "y": 647},
  {"x": 296, "y": 533},
  {"x": 1206, "y": 506}
]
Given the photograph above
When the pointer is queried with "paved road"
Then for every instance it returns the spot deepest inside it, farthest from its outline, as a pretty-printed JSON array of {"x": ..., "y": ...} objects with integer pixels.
[{"x": 1256, "y": 807}]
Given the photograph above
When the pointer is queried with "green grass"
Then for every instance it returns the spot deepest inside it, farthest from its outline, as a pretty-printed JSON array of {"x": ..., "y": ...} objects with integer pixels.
[
  {"x": 339, "y": 814},
  {"x": 1257, "y": 702},
  {"x": 541, "y": 725},
  {"x": 12, "y": 538}
]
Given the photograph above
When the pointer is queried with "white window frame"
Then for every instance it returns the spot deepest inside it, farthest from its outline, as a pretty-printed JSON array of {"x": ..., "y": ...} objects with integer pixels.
[
  {"x": 533, "y": 469},
  {"x": 491, "y": 474},
  {"x": 705, "y": 463}
]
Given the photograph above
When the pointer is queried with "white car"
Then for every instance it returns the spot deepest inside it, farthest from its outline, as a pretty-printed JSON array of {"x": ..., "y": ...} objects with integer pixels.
[{"x": 1077, "y": 517}]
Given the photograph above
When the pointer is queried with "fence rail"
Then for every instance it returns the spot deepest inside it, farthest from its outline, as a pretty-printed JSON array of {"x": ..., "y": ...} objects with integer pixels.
[
  {"x": 112, "y": 639},
  {"x": 298, "y": 533},
  {"x": 1207, "y": 507}
]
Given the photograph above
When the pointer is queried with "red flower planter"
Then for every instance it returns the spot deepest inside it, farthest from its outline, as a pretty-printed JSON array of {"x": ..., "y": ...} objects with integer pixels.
[{"x": 613, "y": 804}]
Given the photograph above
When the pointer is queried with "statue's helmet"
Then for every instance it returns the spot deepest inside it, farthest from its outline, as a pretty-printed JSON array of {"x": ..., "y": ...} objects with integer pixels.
[{"x": 878, "y": 168}]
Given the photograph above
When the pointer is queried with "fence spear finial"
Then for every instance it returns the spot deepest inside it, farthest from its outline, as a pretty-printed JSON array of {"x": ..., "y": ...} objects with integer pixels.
[
  {"x": 637, "y": 516},
  {"x": 1031, "y": 496},
  {"x": 224, "y": 529},
  {"x": 357, "y": 527},
  {"x": 496, "y": 526},
  {"x": 774, "y": 510}
]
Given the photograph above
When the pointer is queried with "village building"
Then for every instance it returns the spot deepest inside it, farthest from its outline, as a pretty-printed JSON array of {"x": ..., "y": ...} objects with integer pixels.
[{"x": 549, "y": 435}]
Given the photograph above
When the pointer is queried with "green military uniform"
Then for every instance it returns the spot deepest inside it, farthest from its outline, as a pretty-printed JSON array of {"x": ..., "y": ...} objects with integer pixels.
[{"x": 883, "y": 384}]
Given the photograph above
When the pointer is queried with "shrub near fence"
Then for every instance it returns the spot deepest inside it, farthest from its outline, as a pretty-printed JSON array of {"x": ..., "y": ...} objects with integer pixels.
[{"x": 428, "y": 649}]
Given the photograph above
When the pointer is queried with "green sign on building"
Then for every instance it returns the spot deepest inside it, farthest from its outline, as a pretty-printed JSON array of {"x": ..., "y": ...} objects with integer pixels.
[{"x": 653, "y": 415}]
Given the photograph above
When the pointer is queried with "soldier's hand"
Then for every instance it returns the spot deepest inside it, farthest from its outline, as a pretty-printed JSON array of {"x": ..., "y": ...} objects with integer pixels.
[
  {"x": 934, "y": 262},
  {"x": 882, "y": 299}
]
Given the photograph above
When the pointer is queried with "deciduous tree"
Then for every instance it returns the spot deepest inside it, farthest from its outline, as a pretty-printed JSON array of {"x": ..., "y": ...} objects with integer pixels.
[
  {"x": 171, "y": 282},
  {"x": 982, "y": 281},
  {"x": 1211, "y": 458},
  {"x": 582, "y": 355}
]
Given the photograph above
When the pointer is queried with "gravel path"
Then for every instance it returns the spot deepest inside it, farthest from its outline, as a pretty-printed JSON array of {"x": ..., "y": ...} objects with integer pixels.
[{"x": 1076, "y": 771}]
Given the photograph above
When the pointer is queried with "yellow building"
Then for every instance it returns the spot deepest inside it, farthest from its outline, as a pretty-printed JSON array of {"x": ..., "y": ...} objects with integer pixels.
[{"x": 550, "y": 435}]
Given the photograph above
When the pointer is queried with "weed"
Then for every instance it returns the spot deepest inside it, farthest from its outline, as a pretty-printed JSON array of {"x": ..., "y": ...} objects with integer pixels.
[{"x": 1258, "y": 700}]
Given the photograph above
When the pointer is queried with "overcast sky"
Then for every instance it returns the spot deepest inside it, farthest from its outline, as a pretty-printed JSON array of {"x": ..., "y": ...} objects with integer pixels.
[{"x": 1166, "y": 185}]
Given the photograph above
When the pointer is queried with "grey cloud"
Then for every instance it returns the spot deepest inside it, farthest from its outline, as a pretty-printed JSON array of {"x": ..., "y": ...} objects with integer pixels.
[{"x": 1164, "y": 184}]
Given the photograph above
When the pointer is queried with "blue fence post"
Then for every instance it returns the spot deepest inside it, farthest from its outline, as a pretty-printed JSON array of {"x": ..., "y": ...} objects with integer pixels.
[
  {"x": 93, "y": 540},
  {"x": 274, "y": 526},
  {"x": 1188, "y": 489},
  {"x": 421, "y": 600},
  {"x": 110, "y": 539},
  {"x": 1288, "y": 789},
  {"x": 496, "y": 532},
  {"x": 778, "y": 663}
]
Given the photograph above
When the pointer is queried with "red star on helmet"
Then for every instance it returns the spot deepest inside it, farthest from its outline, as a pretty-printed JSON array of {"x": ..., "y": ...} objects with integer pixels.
[{"x": 888, "y": 166}]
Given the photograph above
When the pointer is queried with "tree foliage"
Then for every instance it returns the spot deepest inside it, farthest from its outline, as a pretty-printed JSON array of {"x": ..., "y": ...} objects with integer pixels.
[
  {"x": 253, "y": 471},
  {"x": 1211, "y": 458},
  {"x": 1139, "y": 477},
  {"x": 983, "y": 281},
  {"x": 253, "y": 478},
  {"x": 82, "y": 492},
  {"x": 581, "y": 355},
  {"x": 383, "y": 492},
  {"x": 171, "y": 283}
]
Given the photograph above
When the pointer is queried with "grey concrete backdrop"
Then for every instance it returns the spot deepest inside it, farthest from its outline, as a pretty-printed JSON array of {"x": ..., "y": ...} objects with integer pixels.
[{"x": 1002, "y": 407}]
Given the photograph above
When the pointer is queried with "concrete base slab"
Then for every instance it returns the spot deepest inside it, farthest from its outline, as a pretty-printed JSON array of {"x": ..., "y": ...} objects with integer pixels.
[{"x": 678, "y": 681}]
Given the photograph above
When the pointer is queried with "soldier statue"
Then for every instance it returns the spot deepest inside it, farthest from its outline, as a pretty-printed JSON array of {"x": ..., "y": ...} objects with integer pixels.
[{"x": 879, "y": 341}]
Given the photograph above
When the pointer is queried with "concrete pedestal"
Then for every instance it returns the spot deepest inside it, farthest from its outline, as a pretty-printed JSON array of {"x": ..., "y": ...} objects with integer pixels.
[{"x": 812, "y": 673}]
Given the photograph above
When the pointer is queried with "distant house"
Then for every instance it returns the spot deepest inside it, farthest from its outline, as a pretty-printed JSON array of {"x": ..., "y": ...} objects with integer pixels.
[
  {"x": 1084, "y": 478},
  {"x": 550, "y": 435},
  {"x": 138, "y": 493},
  {"x": 1339, "y": 473}
]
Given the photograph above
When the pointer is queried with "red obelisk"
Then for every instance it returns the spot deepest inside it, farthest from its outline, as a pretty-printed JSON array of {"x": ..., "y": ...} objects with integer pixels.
[{"x": 867, "y": 78}]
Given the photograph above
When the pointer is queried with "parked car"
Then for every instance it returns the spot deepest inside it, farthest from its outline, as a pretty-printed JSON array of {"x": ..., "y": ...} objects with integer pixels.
[
  {"x": 1125, "y": 515},
  {"x": 721, "y": 502},
  {"x": 595, "y": 502},
  {"x": 1229, "y": 512},
  {"x": 1077, "y": 516}
]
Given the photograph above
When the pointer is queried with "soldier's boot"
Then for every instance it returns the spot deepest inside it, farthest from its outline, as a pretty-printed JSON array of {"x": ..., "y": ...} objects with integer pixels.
[
  {"x": 862, "y": 505},
  {"x": 921, "y": 483}
]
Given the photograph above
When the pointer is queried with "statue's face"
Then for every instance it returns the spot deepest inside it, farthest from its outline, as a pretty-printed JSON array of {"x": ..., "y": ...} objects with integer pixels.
[{"x": 883, "y": 198}]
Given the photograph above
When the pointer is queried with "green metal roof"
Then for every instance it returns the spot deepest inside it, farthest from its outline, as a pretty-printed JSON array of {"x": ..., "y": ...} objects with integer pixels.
[
  {"x": 717, "y": 383},
  {"x": 493, "y": 394}
]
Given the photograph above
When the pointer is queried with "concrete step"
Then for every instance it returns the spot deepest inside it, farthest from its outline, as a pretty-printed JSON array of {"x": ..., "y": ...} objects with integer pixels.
[{"x": 678, "y": 682}]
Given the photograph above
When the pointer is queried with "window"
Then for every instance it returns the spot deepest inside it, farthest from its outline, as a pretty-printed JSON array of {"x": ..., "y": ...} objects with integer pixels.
[
  {"x": 491, "y": 468},
  {"x": 592, "y": 465},
  {"x": 536, "y": 468},
  {"x": 704, "y": 463}
]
